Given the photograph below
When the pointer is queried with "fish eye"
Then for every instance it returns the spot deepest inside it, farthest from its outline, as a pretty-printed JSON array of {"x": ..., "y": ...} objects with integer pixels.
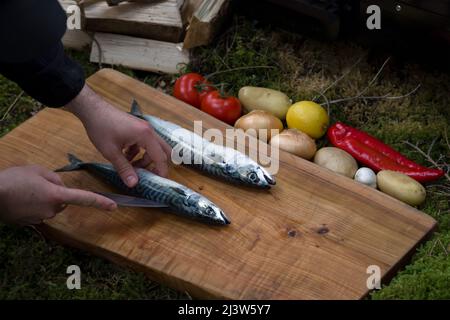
[
  {"x": 210, "y": 211},
  {"x": 253, "y": 177}
]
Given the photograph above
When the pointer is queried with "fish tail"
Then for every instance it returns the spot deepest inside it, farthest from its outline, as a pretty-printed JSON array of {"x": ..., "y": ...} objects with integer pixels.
[
  {"x": 75, "y": 164},
  {"x": 136, "y": 109}
]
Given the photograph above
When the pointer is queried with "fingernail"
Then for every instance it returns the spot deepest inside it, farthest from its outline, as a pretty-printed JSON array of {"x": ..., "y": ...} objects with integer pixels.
[
  {"x": 112, "y": 207},
  {"x": 131, "y": 180}
]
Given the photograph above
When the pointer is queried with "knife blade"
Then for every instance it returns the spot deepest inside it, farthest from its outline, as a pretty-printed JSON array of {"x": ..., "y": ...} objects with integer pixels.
[{"x": 128, "y": 201}]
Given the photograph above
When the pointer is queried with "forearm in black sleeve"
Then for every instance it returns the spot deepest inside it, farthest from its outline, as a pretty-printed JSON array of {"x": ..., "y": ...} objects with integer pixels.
[
  {"x": 52, "y": 78},
  {"x": 32, "y": 54}
]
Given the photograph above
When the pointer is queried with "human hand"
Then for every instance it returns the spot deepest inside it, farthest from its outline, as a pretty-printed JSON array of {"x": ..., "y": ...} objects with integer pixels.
[
  {"x": 112, "y": 131},
  {"x": 31, "y": 194}
]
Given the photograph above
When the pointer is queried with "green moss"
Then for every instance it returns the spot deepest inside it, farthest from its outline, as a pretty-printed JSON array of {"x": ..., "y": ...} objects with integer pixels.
[
  {"x": 427, "y": 277},
  {"x": 34, "y": 268},
  {"x": 301, "y": 67},
  {"x": 22, "y": 110}
]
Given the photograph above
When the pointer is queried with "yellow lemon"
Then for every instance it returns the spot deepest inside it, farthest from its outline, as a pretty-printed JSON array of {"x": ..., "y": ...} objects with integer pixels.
[{"x": 309, "y": 117}]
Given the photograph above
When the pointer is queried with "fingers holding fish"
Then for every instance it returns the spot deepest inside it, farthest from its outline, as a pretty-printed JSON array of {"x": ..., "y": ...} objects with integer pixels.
[
  {"x": 143, "y": 162},
  {"x": 156, "y": 152},
  {"x": 66, "y": 196},
  {"x": 123, "y": 167},
  {"x": 118, "y": 132},
  {"x": 132, "y": 152},
  {"x": 32, "y": 194}
]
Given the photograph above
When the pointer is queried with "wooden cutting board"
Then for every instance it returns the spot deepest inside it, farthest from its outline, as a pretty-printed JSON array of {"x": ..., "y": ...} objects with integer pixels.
[{"x": 312, "y": 236}]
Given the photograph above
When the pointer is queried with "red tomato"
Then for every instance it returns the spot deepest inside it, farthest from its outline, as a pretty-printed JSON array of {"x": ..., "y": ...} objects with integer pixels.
[
  {"x": 204, "y": 90},
  {"x": 190, "y": 88},
  {"x": 227, "y": 109}
]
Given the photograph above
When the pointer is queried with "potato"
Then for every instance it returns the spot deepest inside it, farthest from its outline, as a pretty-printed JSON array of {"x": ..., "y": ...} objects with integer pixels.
[
  {"x": 401, "y": 187},
  {"x": 295, "y": 142},
  {"x": 336, "y": 160},
  {"x": 273, "y": 101}
]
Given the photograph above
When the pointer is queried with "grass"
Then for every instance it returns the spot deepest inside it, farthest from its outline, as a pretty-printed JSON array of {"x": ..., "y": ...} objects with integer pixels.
[{"x": 31, "y": 267}]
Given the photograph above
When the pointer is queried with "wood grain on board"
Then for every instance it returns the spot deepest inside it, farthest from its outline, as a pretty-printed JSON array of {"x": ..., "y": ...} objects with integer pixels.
[{"x": 312, "y": 236}]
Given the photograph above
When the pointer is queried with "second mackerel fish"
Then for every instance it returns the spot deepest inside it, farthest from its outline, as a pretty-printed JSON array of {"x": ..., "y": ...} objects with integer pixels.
[{"x": 221, "y": 161}]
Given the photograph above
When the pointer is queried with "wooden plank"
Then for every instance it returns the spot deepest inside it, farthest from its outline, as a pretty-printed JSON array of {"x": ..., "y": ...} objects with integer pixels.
[
  {"x": 206, "y": 23},
  {"x": 66, "y": 3},
  {"x": 188, "y": 9},
  {"x": 137, "y": 53},
  {"x": 76, "y": 39},
  {"x": 312, "y": 236},
  {"x": 117, "y": 2},
  {"x": 159, "y": 20}
]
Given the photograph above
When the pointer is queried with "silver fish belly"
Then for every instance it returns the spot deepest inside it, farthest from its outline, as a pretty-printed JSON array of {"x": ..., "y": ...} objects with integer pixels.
[
  {"x": 180, "y": 199},
  {"x": 221, "y": 161}
]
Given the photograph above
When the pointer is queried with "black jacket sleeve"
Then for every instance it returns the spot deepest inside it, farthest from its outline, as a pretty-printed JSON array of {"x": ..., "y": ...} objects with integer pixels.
[{"x": 32, "y": 54}]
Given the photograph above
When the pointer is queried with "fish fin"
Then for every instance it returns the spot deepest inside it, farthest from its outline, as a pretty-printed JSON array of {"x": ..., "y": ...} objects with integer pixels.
[
  {"x": 136, "y": 109},
  {"x": 75, "y": 164},
  {"x": 179, "y": 191}
]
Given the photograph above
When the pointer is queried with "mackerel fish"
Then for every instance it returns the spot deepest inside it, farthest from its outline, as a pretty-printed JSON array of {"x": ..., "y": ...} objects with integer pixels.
[
  {"x": 224, "y": 162},
  {"x": 180, "y": 199}
]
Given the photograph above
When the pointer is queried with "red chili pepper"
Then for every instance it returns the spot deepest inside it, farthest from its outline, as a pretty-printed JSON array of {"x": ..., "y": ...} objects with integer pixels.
[{"x": 376, "y": 154}]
